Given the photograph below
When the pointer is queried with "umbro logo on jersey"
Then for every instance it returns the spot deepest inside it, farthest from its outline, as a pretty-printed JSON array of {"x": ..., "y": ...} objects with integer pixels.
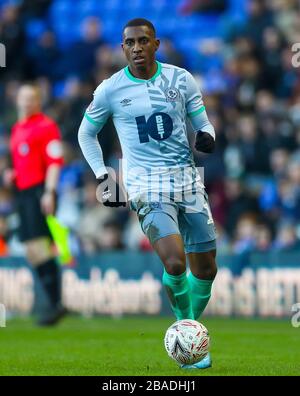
[{"x": 125, "y": 102}]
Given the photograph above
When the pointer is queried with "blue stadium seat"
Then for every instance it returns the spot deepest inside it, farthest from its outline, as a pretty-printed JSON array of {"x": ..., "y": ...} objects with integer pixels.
[
  {"x": 61, "y": 9},
  {"x": 34, "y": 28},
  {"x": 66, "y": 16},
  {"x": 237, "y": 9},
  {"x": 87, "y": 8},
  {"x": 65, "y": 34},
  {"x": 108, "y": 5}
]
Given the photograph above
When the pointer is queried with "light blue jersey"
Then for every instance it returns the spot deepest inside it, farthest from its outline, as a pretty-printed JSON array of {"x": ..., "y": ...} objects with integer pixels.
[{"x": 150, "y": 119}]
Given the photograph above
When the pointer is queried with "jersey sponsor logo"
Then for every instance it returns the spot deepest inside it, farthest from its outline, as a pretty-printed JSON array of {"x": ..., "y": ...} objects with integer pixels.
[
  {"x": 54, "y": 149},
  {"x": 126, "y": 102},
  {"x": 172, "y": 95},
  {"x": 159, "y": 126},
  {"x": 23, "y": 149}
]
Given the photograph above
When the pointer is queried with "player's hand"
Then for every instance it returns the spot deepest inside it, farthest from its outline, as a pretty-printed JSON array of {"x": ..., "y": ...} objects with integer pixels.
[
  {"x": 110, "y": 193},
  {"x": 48, "y": 203},
  {"x": 204, "y": 142}
]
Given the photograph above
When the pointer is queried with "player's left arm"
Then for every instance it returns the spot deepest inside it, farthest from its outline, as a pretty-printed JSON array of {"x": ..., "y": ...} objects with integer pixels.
[{"x": 196, "y": 112}]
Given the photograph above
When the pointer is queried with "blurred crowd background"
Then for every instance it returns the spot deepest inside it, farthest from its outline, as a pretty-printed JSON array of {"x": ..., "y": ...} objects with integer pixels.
[{"x": 240, "y": 53}]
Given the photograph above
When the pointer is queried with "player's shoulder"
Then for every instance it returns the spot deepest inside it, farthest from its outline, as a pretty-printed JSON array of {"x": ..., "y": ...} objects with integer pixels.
[{"x": 167, "y": 67}]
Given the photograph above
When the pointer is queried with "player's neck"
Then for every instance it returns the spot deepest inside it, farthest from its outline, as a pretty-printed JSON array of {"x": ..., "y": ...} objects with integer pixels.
[{"x": 144, "y": 73}]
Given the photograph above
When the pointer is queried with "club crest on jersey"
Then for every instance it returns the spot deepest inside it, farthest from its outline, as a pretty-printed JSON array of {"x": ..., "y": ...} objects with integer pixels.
[{"x": 172, "y": 95}]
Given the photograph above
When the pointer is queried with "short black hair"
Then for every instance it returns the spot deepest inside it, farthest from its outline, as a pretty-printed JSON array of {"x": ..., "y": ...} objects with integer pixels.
[{"x": 140, "y": 22}]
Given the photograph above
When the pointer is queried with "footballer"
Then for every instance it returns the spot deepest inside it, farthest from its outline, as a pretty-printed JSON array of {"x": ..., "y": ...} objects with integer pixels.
[{"x": 149, "y": 102}]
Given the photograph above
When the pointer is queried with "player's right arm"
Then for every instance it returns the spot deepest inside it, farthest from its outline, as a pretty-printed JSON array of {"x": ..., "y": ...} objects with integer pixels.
[{"x": 93, "y": 121}]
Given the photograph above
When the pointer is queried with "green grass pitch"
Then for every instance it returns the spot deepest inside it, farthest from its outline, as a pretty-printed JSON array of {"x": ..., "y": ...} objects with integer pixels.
[{"x": 134, "y": 346}]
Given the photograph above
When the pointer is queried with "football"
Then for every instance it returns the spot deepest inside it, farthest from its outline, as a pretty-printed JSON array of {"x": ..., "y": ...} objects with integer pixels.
[{"x": 187, "y": 341}]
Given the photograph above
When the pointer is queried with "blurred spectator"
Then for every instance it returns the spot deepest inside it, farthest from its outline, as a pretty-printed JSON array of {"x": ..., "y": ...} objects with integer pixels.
[
  {"x": 69, "y": 186},
  {"x": 239, "y": 203},
  {"x": 250, "y": 83},
  {"x": 111, "y": 237},
  {"x": 223, "y": 241},
  {"x": 13, "y": 37},
  {"x": 6, "y": 203},
  {"x": 134, "y": 238},
  {"x": 34, "y": 8},
  {"x": 44, "y": 56},
  {"x": 271, "y": 48},
  {"x": 169, "y": 54},
  {"x": 263, "y": 238},
  {"x": 210, "y": 58},
  {"x": 203, "y": 6},
  {"x": 244, "y": 240},
  {"x": 260, "y": 17},
  {"x": 253, "y": 149},
  {"x": 93, "y": 216},
  {"x": 80, "y": 59},
  {"x": 289, "y": 193},
  {"x": 286, "y": 239},
  {"x": 105, "y": 60},
  {"x": 4, "y": 250}
]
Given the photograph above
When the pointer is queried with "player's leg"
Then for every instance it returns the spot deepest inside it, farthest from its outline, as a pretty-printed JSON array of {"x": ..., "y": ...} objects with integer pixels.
[
  {"x": 159, "y": 223},
  {"x": 197, "y": 227},
  {"x": 170, "y": 249},
  {"x": 203, "y": 271}
]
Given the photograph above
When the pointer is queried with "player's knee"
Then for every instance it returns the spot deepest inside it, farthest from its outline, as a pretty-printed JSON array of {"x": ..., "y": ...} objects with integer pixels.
[
  {"x": 210, "y": 270},
  {"x": 213, "y": 271},
  {"x": 174, "y": 265},
  {"x": 206, "y": 268}
]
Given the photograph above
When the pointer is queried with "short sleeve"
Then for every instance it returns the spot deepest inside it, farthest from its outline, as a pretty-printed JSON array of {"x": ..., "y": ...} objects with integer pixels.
[{"x": 99, "y": 110}]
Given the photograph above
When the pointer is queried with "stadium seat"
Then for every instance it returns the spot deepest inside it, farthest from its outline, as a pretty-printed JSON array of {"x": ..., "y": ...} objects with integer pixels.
[
  {"x": 34, "y": 28},
  {"x": 65, "y": 17},
  {"x": 60, "y": 9}
]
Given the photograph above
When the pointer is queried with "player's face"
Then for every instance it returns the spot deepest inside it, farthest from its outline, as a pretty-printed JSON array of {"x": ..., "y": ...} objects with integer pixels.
[
  {"x": 28, "y": 101},
  {"x": 139, "y": 45}
]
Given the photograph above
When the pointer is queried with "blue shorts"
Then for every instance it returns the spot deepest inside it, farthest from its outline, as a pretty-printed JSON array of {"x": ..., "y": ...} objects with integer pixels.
[{"x": 190, "y": 217}]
